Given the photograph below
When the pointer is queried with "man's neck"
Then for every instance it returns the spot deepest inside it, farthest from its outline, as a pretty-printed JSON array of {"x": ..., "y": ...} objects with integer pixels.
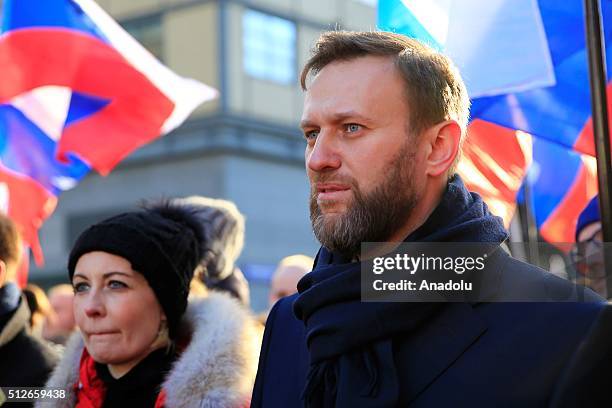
[{"x": 421, "y": 213}]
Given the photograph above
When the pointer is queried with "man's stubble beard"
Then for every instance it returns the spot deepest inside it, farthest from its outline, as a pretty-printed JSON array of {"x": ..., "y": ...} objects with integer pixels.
[{"x": 371, "y": 217}]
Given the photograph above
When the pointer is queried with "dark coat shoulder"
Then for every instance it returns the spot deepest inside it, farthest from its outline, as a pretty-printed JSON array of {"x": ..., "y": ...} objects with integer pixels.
[
  {"x": 504, "y": 354},
  {"x": 27, "y": 361}
]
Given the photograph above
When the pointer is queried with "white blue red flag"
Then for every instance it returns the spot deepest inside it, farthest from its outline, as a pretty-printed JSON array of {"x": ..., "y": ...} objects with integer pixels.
[
  {"x": 76, "y": 93},
  {"x": 525, "y": 66}
]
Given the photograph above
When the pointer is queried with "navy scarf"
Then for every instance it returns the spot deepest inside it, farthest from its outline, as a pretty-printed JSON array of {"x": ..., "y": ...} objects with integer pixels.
[{"x": 351, "y": 342}]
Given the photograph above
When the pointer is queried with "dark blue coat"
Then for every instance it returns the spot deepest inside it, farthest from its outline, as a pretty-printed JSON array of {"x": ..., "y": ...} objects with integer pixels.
[
  {"x": 469, "y": 355},
  {"x": 476, "y": 354}
]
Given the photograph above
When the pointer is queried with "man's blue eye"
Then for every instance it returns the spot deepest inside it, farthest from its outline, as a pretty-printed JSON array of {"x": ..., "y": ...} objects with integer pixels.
[
  {"x": 311, "y": 134},
  {"x": 353, "y": 127}
]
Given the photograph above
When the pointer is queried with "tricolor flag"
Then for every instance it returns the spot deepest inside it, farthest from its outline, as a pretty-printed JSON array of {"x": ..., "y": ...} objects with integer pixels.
[
  {"x": 561, "y": 182},
  {"x": 76, "y": 93},
  {"x": 494, "y": 162},
  {"x": 525, "y": 66}
]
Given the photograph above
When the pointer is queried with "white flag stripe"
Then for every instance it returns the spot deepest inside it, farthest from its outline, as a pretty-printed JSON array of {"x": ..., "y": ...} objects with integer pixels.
[
  {"x": 47, "y": 107},
  {"x": 186, "y": 93}
]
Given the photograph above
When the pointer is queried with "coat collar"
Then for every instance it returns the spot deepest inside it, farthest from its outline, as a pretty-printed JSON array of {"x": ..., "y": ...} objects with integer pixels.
[
  {"x": 16, "y": 323},
  {"x": 217, "y": 368}
]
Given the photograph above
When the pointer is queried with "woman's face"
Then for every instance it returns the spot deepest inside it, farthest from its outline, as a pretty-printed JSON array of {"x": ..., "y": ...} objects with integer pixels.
[{"x": 116, "y": 310}]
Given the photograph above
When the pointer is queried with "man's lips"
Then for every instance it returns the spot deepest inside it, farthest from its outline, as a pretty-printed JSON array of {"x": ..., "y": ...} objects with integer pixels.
[{"x": 331, "y": 191}]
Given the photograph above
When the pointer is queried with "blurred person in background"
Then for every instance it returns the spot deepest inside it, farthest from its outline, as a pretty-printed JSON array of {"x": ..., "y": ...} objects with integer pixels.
[
  {"x": 40, "y": 308},
  {"x": 60, "y": 325},
  {"x": 25, "y": 360},
  {"x": 197, "y": 289},
  {"x": 587, "y": 253},
  {"x": 141, "y": 342},
  {"x": 223, "y": 226},
  {"x": 287, "y": 274}
]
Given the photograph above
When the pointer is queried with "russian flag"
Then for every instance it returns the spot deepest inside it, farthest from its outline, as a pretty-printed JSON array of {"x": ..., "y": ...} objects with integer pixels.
[
  {"x": 494, "y": 162},
  {"x": 562, "y": 182},
  {"x": 525, "y": 65},
  {"x": 76, "y": 93}
]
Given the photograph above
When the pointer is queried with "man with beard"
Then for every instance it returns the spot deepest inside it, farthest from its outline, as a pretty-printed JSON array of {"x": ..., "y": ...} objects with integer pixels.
[{"x": 384, "y": 118}]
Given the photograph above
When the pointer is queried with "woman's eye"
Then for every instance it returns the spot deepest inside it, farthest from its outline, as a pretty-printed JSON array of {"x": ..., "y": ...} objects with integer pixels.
[
  {"x": 80, "y": 287},
  {"x": 116, "y": 285}
]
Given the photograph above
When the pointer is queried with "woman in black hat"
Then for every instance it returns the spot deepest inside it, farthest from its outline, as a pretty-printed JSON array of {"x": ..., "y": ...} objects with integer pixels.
[{"x": 140, "y": 343}]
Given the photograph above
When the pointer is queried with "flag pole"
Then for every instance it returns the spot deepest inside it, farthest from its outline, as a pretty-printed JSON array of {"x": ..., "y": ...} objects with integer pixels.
[
  {"x": 601, "y": 131},
  {"x": 529, "y": 226}
]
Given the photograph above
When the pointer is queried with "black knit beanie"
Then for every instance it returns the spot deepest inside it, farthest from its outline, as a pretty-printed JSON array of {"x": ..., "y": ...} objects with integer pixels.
[{"x": 162, "y": 242}]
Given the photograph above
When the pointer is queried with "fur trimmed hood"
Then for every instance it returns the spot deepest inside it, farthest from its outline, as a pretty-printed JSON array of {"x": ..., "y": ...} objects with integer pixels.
[{"x": 216, "y": 369}]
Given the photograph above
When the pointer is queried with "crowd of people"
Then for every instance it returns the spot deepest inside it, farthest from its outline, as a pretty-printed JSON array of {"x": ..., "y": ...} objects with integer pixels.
[
  {"x": 156, "y": 315},
  {"x": 156, "y": 311}
]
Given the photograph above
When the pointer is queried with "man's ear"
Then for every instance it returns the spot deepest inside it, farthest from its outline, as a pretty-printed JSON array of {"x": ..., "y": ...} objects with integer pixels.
[
  {"x": 3, "y": 273},
  {"x": 445, "y": 140}
]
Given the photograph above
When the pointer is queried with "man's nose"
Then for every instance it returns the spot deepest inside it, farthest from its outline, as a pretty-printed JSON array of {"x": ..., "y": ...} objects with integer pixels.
[{"x": 325, "y": 154}]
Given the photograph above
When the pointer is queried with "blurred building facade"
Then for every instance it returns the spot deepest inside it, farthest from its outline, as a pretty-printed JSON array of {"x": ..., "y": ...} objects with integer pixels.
[{"x": 245, "y": 146}]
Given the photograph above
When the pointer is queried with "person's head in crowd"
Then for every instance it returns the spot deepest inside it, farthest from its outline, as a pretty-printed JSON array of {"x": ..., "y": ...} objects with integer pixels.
[
  {"x": 60, "y": 325},
  {"x": 40, "y": 308},
  {"x": 140, "y": 331},
  {"x": 223, "y": 227},
  {"x": 587, "y": 254},
  {"x": 131, "y": 275},
  {"x": 26, "y": 360},
  {"x": 287, "y": 274},
  {"x": 10, "y": 250},
  {"x": 385, "y": 93}
]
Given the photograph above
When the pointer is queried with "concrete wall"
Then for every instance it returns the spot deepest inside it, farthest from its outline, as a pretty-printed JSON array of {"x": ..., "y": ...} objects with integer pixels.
[{"x": 192, "y": 46}]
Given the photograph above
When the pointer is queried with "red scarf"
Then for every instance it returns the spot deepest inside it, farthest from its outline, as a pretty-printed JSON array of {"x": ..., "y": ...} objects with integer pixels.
[{"x": 90, "y": 389}]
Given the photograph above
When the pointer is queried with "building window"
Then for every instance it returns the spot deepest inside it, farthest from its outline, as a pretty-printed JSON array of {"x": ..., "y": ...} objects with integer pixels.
[
  {"x": 269, "y": 47},
  {"x": 149, "y": 33}
]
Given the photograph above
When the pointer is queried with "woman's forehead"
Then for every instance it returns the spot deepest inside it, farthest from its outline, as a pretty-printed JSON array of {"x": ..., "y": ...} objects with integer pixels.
[{"x": 103, "y": 263}]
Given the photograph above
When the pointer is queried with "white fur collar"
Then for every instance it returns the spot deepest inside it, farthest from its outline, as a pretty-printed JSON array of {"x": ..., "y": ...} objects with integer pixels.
[{"x": 217, "y": 369}]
